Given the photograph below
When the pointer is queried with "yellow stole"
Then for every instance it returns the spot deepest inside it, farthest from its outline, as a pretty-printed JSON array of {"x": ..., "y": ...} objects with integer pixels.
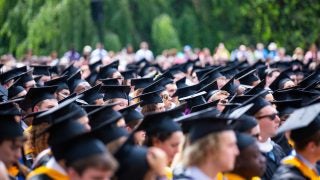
[
  {"x": 49, "y": 172},
  {"x": 13, "y": 171},
  {"x": 169, "y": 174},
  {"x": 232, "y": 176},
  {"x": 304, "y": 169}
]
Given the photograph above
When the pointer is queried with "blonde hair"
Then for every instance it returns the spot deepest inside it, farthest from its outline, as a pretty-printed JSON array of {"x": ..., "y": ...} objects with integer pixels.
[
  {"x": 196, "y": 153},
  {"x": 39, "y": 143}
]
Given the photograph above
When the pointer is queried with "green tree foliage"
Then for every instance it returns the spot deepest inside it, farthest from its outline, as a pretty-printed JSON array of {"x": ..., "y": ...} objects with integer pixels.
[
  {"x": 46, "y": 25},
  {"x": 164, "y": 35}
]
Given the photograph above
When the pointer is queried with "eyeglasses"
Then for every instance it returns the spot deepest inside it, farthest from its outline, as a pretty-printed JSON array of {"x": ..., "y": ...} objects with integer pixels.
[
  {"x": 270, "y": 116},
  {"x": 223, "y": 101}
]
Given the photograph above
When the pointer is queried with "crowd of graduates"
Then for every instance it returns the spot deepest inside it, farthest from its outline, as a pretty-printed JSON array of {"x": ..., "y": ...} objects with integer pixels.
[{"x": 182, "y": 116}]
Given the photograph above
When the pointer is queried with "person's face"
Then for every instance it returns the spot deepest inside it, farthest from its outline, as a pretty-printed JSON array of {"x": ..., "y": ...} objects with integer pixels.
[
  {"x": 273, "y": 76},
  {"x": 92, "y": 174},
  {"x": 225, "y": 158},
  {"x": 122, "y": 103},
  {"x": 221, "y": 104},
  {"x": 29, "y": 84},
  {"x": 84, "y": 120},
  {"x": 171, "y": 145},
  {"x": 10, "y": 151},
  {"x": 166, "y": 99},
  {"x": 82, "y": 87},
  {"x": 269, "y": 121},
  {"x": 171, "y": 89},
  {"x": 117, "y": 75},
  {"x": 253, "y": 163},
  {"x": 46, "y": 104},
  {"x": 99, "y": 102},
  {"x": 288, "y": 84},
  {"x": 139, "y": 137},
  {"x": 269, "y": 97},
  {"x": 221, "y": 81},
  {"x": 63, "y": 94},
  {"x": 160, "y": 107},
  {"x": 255, "y": 132},
  {"x": 121, "y": 123}
]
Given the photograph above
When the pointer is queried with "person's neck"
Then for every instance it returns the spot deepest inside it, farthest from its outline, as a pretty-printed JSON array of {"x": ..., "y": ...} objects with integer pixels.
[
  {"x": 308, "y": 156},
  {"x": 263, "y": 138},
  {"x": 209, "y": 170}
]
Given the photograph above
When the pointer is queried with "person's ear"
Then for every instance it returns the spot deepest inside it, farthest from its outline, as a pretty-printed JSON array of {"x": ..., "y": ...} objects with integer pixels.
[
  {"x": 72, "y": 173},
  {"x": 35, "y": 109}
]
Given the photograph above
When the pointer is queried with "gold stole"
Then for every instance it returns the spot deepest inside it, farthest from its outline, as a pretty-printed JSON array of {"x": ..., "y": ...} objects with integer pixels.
[
  {"x": 305, "y": 170},
  {"x": 49, "y": 172}
]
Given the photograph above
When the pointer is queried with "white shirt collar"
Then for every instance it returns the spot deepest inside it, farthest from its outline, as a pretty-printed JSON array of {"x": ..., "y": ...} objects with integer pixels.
[
  {"x": 195, "y": 173},
  {"x": 265, "y": 146}
]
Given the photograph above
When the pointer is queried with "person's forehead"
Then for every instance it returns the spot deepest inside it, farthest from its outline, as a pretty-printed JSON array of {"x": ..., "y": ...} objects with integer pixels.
[{"x": 268, "y": 109}]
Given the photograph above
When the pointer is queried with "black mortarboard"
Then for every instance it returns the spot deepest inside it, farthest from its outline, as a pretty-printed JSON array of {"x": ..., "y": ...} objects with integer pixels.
[
  {"x": 203, "y": 123},
  {"x": 8, "y": 126},
  {"x": 286, "y": 107},
  {"x": 68, "y": 71},
  {"x": 314, "y": 77},
  {"x": 303, "y": 123},
  {"x": 54, "y": 70},
  {"x": 257, "y": 89},
  {"x": 166, "y": 74},
  {"x": 258, "y": 102},
  {"x": 279, "y": 82},
  {"x": 111, "y": 92},
  {"x": 229, "y": 72},
  {"x": 181, "y": 83},
  {"x": 213, "y": 74},
  {"x": 23, "y": 78},
  {"x": 175, "y": 69},
  {"x": 245, "y": 123},
  {"x": 103, "y": 115},
  {"x": 93, "y": 66},
  {"x": 107, "y": 70},
  {"x": 63, "y": 109},
  {"x": 230, "y": 87},
  {"x": 35, "y": 95},
  {"x": 186, "y": 91},
  {"x": 81, "y": 147},
  {"x": 131, "y": 114},
  {"x": 249, "y": 78},
  {"x": 201, "y": 72},
  {"x": 159, "y": 84},
  {"x": 74, "y": 80},
  {"x": 139, "y": 83},
  {"x": 204, "y": 106},
  {"x": 194, "y": 100},
  {"x": 244, "y": 140},
  {"x": 61, "y": 82},
  {"x": 129, "y": 74},
  {"x": 14, "y": 90},
  {"x": 210, "y": 89},
  {"x": 128, "y": 154},
  {"x": 7, "y": 76},
  {"x": 90, "y": 108},
  {"x": 41, "y": 70},
  {"x": 150, "y": 98},
  {"x": 92, "y": 94},
  {"x": 110, "y": 81}
]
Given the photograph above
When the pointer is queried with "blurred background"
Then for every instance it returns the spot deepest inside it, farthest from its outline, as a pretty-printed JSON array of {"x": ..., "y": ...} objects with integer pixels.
[{"x": 57, "y": 25}]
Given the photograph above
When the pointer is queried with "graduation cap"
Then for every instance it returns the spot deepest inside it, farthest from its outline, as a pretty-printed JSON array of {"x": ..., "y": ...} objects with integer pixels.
[
  {"x": 210, "y": 88},
  {"x": 229, "y": 72},
  {"x": 103, "y": 115},
  {"x": 186, "y": 91},
  {"x": 257, "y": 89},
  {"x": 60, "y": 82},
  {"x": 181, "y": 83},
  {"x": 166, "y": 75},
  {"x": 204, "y": 106},
  {"x": 159, "y": 84},
  {"x": 139, "y": 83},
  {"x": 36, "y": 95},
  {"x": 203, "y": 123},
  {"x": 74, "y": 80},
  {"x": 107, "y": 70},
  {"x": 279, "y": 82},
  {"x": 230, "y": 87},
  {"x": 249, "y": 78},
  {"x": 54, "y": 70},
  {"x": 41, "y": 70},
  {"x": 90, "y": 108},
  {"x": 201, "y": 72},
  {"x": 213, "y": 74},
  {"x": 82, "y": 147},
  {"x": 111, "y": 92},
  {"x": 244, "y": 141},
  {"x": 37, "y": 121},
  {"x": 259, "y": 103},
  {"x": 9, "y": 75},
  {"x": 194, "y": 100},
  {"x": 70, "y": 70},
  {"x": 92, "y": 94},
  {"x": 8, "y": 126},
  {"x": 110, "y": 81},
  {"x": 161, "y": 122},
  {"x": 286, "y": 107},
  {"x": 303, "y": 123},
  {"x": 14, "y": 90},
  {"x": 65, "y": 108},
  {"x": 245, "y": 123},
  {"x": 23, "y": 78},
  {"x": 129, "y": 74},
  {"x": 312, "y": 78},
  {"x": 150, "y": 98},
  {"x": 130, "y": 114},
  {"x": 93, "y": 66}
]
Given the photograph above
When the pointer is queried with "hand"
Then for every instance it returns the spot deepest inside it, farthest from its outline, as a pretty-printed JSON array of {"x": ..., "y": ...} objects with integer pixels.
[{"x": 157, "y": 160}]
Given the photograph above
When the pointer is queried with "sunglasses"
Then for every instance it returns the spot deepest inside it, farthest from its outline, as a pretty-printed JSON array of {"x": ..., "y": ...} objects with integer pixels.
[{"x": 270, "y": 116}]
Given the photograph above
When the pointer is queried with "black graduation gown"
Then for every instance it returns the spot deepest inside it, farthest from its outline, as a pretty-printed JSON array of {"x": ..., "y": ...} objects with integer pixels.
[
  {"x": 273, "y": 164},
  {"x": 288, "y": 172},
  {"x": 282, "y": 141}
]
